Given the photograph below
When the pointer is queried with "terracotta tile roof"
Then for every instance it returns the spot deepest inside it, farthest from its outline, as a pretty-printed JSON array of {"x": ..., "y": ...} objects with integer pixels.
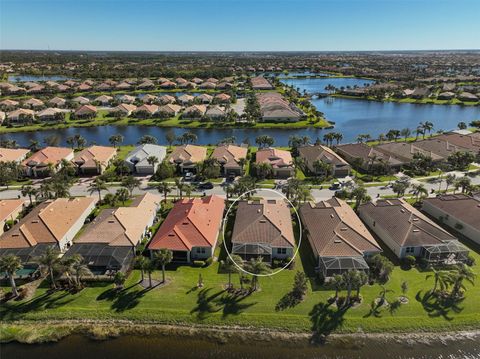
[
  {"x": 265, "y": 221},
  {"x": 12, "y": 154},
  {"x": 9, "y": 206},
  {"x": 122, "y": 226},
  {"x": 459, "y": 206},
  {"x": 335, "y": 230},
  {"x": 274, "y": 156},
  {"x": 47, "y": 155},
  {"x": 188, "y": 154},
  {"x": 49, "y": 222},
  {"x": 147, "y": 108},
  {"x": 191, "y": 223},
  {"x": 229, "y": 155},
  {"x": 404, "y": 224},
  {"x": 320, "y": 153},
  {"x": 86, "y": 109},
  {"x": 90, "y": 156}
]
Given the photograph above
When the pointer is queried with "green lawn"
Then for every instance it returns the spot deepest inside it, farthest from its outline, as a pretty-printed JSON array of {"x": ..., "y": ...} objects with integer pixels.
[{"x": 181, "y": 301}]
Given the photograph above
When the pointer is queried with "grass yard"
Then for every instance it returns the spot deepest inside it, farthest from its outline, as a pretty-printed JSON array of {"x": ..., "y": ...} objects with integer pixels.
[{"x": 180, "y": 301}]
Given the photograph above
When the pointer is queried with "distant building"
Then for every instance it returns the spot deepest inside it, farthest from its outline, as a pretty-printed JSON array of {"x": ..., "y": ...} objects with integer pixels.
[
  {"x": 313, "y": 154},
  {"x": 280, "y": 160},
  {"x": 137, "y": 160},
  {"x": 187, "y": 157},
  {"x": 94, "y": 159},
  {"x": 46, "y": 161}
]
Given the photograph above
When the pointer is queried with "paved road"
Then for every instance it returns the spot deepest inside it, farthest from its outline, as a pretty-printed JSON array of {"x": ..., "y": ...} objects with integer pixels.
[{"x": 81, "y": 189}]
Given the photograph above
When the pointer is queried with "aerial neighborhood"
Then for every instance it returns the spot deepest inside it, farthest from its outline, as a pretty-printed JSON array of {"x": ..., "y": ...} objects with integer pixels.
[{"x": 206, "y": 193}]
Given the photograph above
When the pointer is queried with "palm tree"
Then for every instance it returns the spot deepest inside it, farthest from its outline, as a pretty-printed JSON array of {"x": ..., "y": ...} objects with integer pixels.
[
  {"x": 418, "y": 190},
  {"x": 164, "y": 189},
  {"x": 405, "y": 133},
  {"x": 257, "y": 267},
  {"x": 34, "y": 145},
  {"x": 360, "y": 195},
  {"x": 180, "y": 187},
  {"x": 130, "y": 183},
  {"x": 141, "y": 263},
  {"x": 441, "y": 278},
  {"x": 115, "y": 140},
  {"x": 10, "y": 264},
  {"x": 463, "y": 273},
  {"x": 162, "y": 258},
  {"x": 122, "y": 195},
  {"x": 98, "y": 185},
  {"x": 152, "y": 161},
  {"x": 188, "y": 190},
  {"x": 51, "y": 261},
  {"x": 338, "y": 283},
  {"x": 119, "y": 280},
  {"x": 383, "y": 294},
  {"x": 79, "y": 269},
  {"x": 230, "y": 266},
  {"x": 29, "y": 191},
  {"x": 149, "y": 268}
]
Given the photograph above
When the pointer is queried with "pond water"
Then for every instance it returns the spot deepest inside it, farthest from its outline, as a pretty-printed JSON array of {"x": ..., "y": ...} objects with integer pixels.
[
  {"x": 316, "y": 85},
  {"x": 25, "y": 78},
  {"x": 128, "y": 347}
]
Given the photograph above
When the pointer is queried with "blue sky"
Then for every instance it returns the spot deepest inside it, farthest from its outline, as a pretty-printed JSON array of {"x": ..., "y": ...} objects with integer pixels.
[{"x": 255, "y": 25}]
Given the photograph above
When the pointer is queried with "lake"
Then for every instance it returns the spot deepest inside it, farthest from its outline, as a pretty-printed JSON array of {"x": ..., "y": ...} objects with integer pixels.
[
  {"x": 316, "y": 85},
  {"x": 25, "y": 78},
  {"x": 149, "y": 347}
]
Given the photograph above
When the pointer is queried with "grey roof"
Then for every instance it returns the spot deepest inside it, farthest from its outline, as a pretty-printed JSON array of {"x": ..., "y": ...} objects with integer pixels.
[
  {"x": 102, "y": 255},
  {"x": 138, "y": 157}
]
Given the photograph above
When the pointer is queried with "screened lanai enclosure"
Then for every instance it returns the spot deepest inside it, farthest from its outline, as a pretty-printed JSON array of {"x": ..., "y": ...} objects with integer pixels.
[
  {"x": 330, "y": 266},
  {"x": 249, "y": 251},
  {"x": 450, "y": 252}
]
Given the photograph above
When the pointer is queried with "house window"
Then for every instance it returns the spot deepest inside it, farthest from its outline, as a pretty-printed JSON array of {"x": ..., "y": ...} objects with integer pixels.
[
  {"x": 201, "y": 250},
  {"x": 410, "y": 250},
  {"x": 281, "y": 250}
]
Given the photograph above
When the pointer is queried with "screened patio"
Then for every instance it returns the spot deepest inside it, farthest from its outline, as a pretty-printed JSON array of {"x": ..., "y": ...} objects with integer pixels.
[
  {"x": 330, "y": 266},
  {"x": 450, "y": 252}
]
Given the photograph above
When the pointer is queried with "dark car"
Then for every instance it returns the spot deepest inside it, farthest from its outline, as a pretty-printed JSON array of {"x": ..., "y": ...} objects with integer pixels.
[{"x": 205, "y": 185}]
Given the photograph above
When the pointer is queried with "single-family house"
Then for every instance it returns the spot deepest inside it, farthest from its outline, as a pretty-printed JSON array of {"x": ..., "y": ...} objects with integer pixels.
[
  {"x": 280, "y": 160},
  {"x": 191, "y": 229},
  {"x": 137, "y": 159},
  {"x": 187, "y": 157},
  {"x": 85, "y": 111},
  {"x": 51, "y": 223},
  {"x": 108, "y": 242},
  {"x": 46, "y": 161},
  {"x": 94, "y": 159},
  {"x": 457, "y": 211},
  {"x": 16, "y": 155},
  {"x": 408, "y": 232},
  {"x": 313, "y": 156},
  {"x": 231, "y": 158},
  {"x": 263, "y": 228},
  {"x": 10, "y": 209},
  {"x": 339, "y": 240}
]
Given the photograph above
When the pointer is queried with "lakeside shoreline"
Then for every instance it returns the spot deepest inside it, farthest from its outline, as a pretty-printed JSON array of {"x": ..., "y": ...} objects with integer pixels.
[{"x": 32, "y": 332}]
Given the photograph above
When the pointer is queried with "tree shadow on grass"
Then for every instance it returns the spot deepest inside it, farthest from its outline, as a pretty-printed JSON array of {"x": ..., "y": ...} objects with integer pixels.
[
  {"x": 325, "y": 319},
  {"x": 289, "y": 300},
  {"x": 232, "y": 304},
  {"x": 206, "y": 304},
  {"x": 126, "y": 300},
  {"x": 439, "y": 306},
  {"x": 48, "y": 300}
]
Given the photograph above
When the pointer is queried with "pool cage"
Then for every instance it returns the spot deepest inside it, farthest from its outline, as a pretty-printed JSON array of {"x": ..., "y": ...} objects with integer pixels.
[
  {"x": 330, "y": 266},
  {"x": 249, "y": 251},
  {"x": 450, "y": 252}
]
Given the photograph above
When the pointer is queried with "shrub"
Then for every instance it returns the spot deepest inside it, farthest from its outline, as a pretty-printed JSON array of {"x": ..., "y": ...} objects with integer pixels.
[
  {"x": 409, "y": 261},
  {"x": 198, "y": 263},
  {"x": 470, "y": 261},
  {"x": 209, "y": 261}
]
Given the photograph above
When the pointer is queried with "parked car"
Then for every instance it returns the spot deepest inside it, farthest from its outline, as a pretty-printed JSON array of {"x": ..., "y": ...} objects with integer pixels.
[
  {"x": 335, "y": 186},
  {"x": 205, "y": 185},
  {"x": 188, "y": 176}
]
